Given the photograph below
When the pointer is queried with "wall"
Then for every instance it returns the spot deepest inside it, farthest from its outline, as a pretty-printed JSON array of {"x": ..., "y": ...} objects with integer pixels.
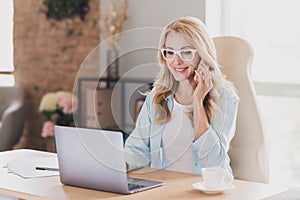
[
  {"x": 47, "y": 55},
  {"x": 145, "y": 20}
]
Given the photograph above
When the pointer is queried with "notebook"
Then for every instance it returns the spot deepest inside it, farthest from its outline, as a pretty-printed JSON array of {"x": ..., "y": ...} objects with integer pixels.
[{"x": 94, "y": 159}]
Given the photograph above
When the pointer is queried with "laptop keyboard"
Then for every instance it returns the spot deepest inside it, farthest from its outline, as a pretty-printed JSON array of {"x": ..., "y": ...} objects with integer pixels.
[{"x": 132, "y": 186}]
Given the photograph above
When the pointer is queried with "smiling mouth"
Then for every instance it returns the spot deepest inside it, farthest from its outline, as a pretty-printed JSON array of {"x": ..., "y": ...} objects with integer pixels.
[{"x": 180, "y": 69}]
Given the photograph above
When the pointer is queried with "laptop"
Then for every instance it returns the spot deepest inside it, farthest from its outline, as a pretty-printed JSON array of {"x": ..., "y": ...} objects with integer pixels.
[{"x": 94, "y": 159}]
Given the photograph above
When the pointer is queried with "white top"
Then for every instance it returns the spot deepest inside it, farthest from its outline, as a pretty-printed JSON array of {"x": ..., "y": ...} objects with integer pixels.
[{"x": 177, "y": 140}]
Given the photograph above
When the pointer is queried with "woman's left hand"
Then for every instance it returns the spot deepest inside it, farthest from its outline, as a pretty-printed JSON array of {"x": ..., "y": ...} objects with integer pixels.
[{"x": 204, "y": 82}]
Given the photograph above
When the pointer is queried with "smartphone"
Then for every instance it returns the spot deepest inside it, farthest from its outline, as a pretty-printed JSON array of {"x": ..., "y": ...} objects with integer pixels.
[{"x": 197, "y": 65}]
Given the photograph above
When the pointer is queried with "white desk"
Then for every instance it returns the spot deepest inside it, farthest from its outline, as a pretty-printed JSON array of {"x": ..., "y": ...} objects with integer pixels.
[{"x": 177, "y": 185}]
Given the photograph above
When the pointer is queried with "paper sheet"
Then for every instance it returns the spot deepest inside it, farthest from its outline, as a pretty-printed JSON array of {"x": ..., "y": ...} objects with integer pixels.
[{"x": 25, "y": 166}]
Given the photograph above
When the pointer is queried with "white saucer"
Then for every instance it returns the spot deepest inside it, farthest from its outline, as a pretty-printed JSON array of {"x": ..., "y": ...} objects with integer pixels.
[{"x": 201, "y": 186}]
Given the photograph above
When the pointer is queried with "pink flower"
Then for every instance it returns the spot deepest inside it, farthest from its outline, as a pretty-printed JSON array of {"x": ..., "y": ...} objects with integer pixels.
[
  {"x": 48, "y": 129},
  {"x": 66, "y": 105}
]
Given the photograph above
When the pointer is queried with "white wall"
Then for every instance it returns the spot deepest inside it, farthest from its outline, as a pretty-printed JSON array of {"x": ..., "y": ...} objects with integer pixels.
[
  {"x": 145, "y": 20},
  {"x": 158, "y": 13}
]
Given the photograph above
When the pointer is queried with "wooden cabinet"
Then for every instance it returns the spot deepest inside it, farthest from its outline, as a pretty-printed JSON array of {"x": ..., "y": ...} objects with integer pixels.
[
  {"x": 113, "y": 107},
  {"x": 98, "y": 111},
  {"x": 103, "y": 108}
]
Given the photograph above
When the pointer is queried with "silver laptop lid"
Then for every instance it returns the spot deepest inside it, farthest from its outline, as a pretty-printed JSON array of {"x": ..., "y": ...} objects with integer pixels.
[{"x": 84, "y": 159}]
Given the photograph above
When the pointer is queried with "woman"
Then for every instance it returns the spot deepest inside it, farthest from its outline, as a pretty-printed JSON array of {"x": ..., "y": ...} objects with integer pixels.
[{"x": 189, "y": 117}]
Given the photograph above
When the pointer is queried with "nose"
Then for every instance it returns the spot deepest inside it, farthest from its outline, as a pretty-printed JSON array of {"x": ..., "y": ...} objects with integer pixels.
[{"x": 177, "y": 59}]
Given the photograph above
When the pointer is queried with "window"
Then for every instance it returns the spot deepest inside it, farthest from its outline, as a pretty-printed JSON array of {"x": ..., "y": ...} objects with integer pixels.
[
  {"x": 273, "y": 30},
  {"x": 6, "y": 43}
]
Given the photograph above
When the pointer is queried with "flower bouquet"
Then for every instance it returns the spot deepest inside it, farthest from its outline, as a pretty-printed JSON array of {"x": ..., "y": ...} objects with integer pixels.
[{"x": 57, "y": 108}]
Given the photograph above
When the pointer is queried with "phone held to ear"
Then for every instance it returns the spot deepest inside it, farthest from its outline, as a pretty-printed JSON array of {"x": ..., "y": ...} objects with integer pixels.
[{"x": 198, "y": 63}]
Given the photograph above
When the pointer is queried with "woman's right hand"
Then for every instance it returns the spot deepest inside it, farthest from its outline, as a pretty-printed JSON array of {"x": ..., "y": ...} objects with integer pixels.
[{"x": 204, "y": 82}]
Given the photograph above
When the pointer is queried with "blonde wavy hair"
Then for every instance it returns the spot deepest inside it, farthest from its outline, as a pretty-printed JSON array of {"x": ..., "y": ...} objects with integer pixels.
[{"x": 165, "y": 84}]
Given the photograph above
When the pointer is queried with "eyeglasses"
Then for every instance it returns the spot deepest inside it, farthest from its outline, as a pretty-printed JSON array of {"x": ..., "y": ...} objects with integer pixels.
[{"x": 184, "y": 54}]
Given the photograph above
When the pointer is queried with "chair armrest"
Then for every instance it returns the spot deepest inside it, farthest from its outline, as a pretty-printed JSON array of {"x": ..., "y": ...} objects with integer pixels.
[
  {"x": 15, "y": 106},
  {"x": 12, "y": 123}
]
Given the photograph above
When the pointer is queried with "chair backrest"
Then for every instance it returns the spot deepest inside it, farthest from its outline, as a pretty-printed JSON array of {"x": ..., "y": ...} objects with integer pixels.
[{"x": 249, "y": 160}]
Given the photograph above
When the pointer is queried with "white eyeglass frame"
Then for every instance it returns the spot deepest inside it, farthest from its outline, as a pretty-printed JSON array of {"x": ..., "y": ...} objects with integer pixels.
[{"x": 177, "y": 53}]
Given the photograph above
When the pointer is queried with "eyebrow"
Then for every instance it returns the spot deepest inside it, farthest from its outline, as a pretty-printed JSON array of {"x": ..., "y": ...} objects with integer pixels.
[{"x": 185, "y": 47}]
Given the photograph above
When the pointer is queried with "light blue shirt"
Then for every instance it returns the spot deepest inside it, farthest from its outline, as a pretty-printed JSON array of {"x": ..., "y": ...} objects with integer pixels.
[{"x": 143, "y": 148}]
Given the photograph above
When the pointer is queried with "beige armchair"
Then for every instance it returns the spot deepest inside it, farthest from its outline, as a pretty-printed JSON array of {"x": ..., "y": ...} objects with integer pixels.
[
  {"x": 11, "y": 116},
  {"x": 247, "y": 152}
]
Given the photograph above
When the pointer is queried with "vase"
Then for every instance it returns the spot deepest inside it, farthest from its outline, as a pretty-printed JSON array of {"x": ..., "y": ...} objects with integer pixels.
[
  {"x": 50, "y": 144},
  {"x": 112, "y": 64}
]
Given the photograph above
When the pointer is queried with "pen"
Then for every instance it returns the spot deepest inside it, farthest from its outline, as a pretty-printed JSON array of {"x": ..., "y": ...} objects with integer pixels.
[{"x": 46, "y": 168}]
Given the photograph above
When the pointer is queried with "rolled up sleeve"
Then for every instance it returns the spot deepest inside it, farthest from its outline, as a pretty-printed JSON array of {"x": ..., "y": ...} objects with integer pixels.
[{"x": 212, "y": 147}]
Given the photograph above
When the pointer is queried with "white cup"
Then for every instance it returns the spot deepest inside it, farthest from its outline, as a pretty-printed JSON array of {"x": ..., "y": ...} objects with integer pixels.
[{"x": 213, "y": 177}]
